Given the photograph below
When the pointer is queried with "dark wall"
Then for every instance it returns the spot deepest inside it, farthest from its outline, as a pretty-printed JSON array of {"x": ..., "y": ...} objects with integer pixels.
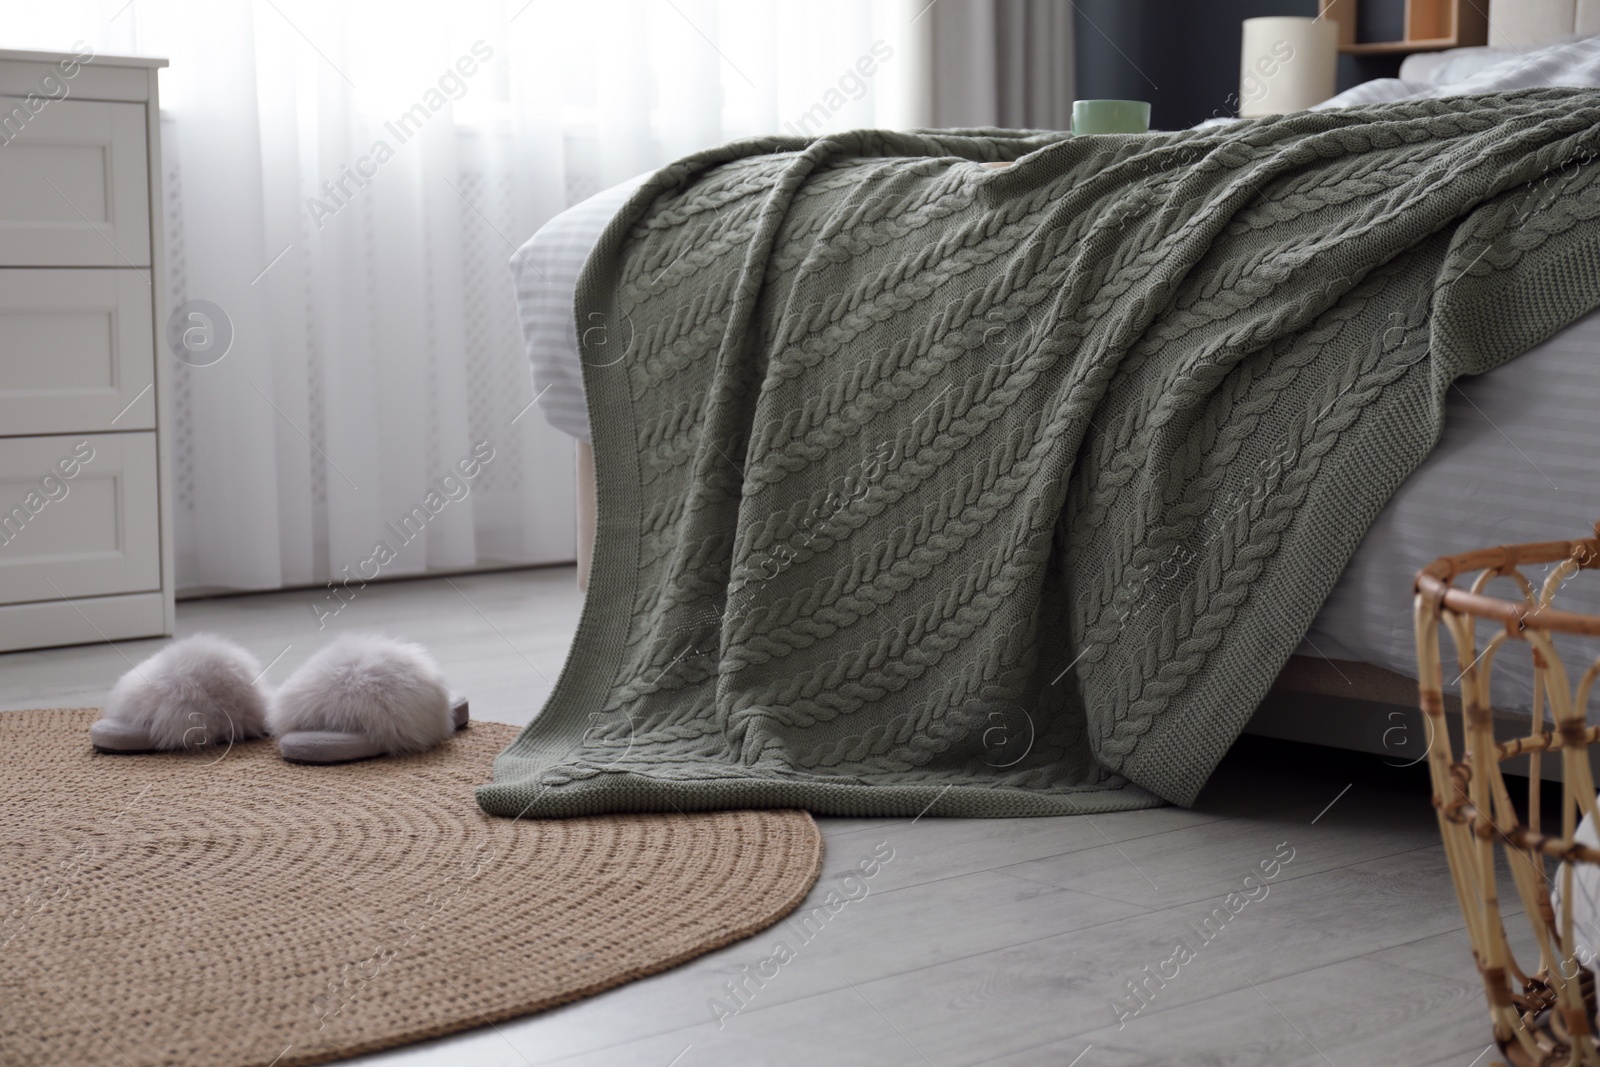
[{"x": 1183, "y": 55}]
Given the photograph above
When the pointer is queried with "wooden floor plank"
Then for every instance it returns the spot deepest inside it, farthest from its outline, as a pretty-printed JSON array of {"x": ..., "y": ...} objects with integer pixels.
[
  {"x": 1214, "y": 858},
  {"x": 1346, "y": 1013},
  {"x": 937, "y": 848},
  {"x": 1055, "y": 988}
]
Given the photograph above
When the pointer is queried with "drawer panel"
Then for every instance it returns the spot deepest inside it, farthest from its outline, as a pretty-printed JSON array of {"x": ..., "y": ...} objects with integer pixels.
[
  {"x": 74, "y": 185},
  {"x": 78, "y": 516},
  {"x": 84, "y": 621},
  {"x": 76, "y": 351}
]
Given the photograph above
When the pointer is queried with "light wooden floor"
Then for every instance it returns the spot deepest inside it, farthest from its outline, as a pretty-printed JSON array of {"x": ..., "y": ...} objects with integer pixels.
[{"x": 982, "y": 942}]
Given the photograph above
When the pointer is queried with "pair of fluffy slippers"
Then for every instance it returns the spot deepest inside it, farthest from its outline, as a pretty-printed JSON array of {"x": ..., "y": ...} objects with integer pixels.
[{"x": 362, "y": 696}]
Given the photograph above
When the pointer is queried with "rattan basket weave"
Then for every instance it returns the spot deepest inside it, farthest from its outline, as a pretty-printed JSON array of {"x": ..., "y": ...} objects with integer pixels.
[{"x": 1543, "y": 1011}]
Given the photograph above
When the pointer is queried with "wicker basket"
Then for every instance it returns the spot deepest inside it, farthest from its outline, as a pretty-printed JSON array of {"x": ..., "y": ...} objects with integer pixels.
[{"x": 1543, "y": 1011}]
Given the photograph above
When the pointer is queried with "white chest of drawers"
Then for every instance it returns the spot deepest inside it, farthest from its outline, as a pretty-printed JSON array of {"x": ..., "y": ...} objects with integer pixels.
[{"x": 85, "y": 516}]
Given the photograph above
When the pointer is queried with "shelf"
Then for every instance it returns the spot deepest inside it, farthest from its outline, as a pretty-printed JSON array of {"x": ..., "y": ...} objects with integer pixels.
[
  {"x": 1431, "y": 25},
  {"x": 1393, "y": 48}
]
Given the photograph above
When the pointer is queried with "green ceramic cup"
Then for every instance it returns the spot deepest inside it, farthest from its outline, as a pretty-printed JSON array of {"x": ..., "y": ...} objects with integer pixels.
[{"x": 1110, "y": 116}]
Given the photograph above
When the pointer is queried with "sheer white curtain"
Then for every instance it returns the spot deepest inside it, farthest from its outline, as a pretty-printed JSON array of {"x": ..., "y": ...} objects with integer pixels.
[
  {"x": 1001, "y": 63},
  {"x": 346, "y": 180}
]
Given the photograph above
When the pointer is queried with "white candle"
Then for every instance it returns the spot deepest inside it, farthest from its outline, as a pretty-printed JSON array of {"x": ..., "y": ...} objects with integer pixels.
[{"x": 1286, "y": 64}]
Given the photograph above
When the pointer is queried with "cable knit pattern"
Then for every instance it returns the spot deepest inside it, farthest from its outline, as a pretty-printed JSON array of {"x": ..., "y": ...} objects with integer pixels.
[{"x": 927, "y": 486}]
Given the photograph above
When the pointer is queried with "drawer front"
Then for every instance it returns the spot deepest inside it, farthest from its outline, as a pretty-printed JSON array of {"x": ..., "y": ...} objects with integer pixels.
[
  {"x": 76, "y": 351},
  {"x": 78, "y": 516},
  {"x": 74, "y": 185},
  {"x": 81, "y": 621}
]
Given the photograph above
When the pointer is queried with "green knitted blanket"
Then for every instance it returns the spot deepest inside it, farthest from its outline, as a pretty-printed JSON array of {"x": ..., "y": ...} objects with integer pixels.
[{"x": 925, "y": 486}]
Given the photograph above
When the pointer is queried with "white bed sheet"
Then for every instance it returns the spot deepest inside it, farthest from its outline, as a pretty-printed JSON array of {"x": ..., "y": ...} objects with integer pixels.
[{"x": 545, "y": 273}]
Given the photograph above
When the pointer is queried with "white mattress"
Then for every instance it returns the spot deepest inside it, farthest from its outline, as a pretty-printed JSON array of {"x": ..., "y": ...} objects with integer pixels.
[{"x": 1517, "y": 462}]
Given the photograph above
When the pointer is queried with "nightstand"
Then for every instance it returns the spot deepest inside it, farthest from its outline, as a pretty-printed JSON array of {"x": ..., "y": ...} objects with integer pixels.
[{"x": 85, "y": 518}]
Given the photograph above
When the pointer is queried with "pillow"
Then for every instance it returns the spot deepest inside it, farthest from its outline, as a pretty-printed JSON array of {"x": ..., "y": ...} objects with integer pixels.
[
  {"x": 1571, "y": 61},
  {"x": 1451, "y": 65}
]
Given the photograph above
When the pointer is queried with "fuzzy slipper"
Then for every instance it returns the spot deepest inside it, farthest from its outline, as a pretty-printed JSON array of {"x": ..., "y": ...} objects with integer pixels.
[
  {"x": 196, "y": 693},
  {"x": 363, "y": 696}
]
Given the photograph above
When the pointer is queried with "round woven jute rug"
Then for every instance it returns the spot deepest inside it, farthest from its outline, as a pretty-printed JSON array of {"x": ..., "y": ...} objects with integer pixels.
[{"x": 231, "y": 908}]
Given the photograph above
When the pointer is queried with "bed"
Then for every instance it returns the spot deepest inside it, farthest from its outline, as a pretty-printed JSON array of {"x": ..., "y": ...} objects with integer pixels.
[{"x": 1515, "y": 462}]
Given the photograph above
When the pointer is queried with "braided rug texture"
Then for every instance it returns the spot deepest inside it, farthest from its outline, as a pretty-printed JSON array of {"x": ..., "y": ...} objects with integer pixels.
[
  {"x": 183, "y": 909},
  {"x": 1010, "y": 491}
]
